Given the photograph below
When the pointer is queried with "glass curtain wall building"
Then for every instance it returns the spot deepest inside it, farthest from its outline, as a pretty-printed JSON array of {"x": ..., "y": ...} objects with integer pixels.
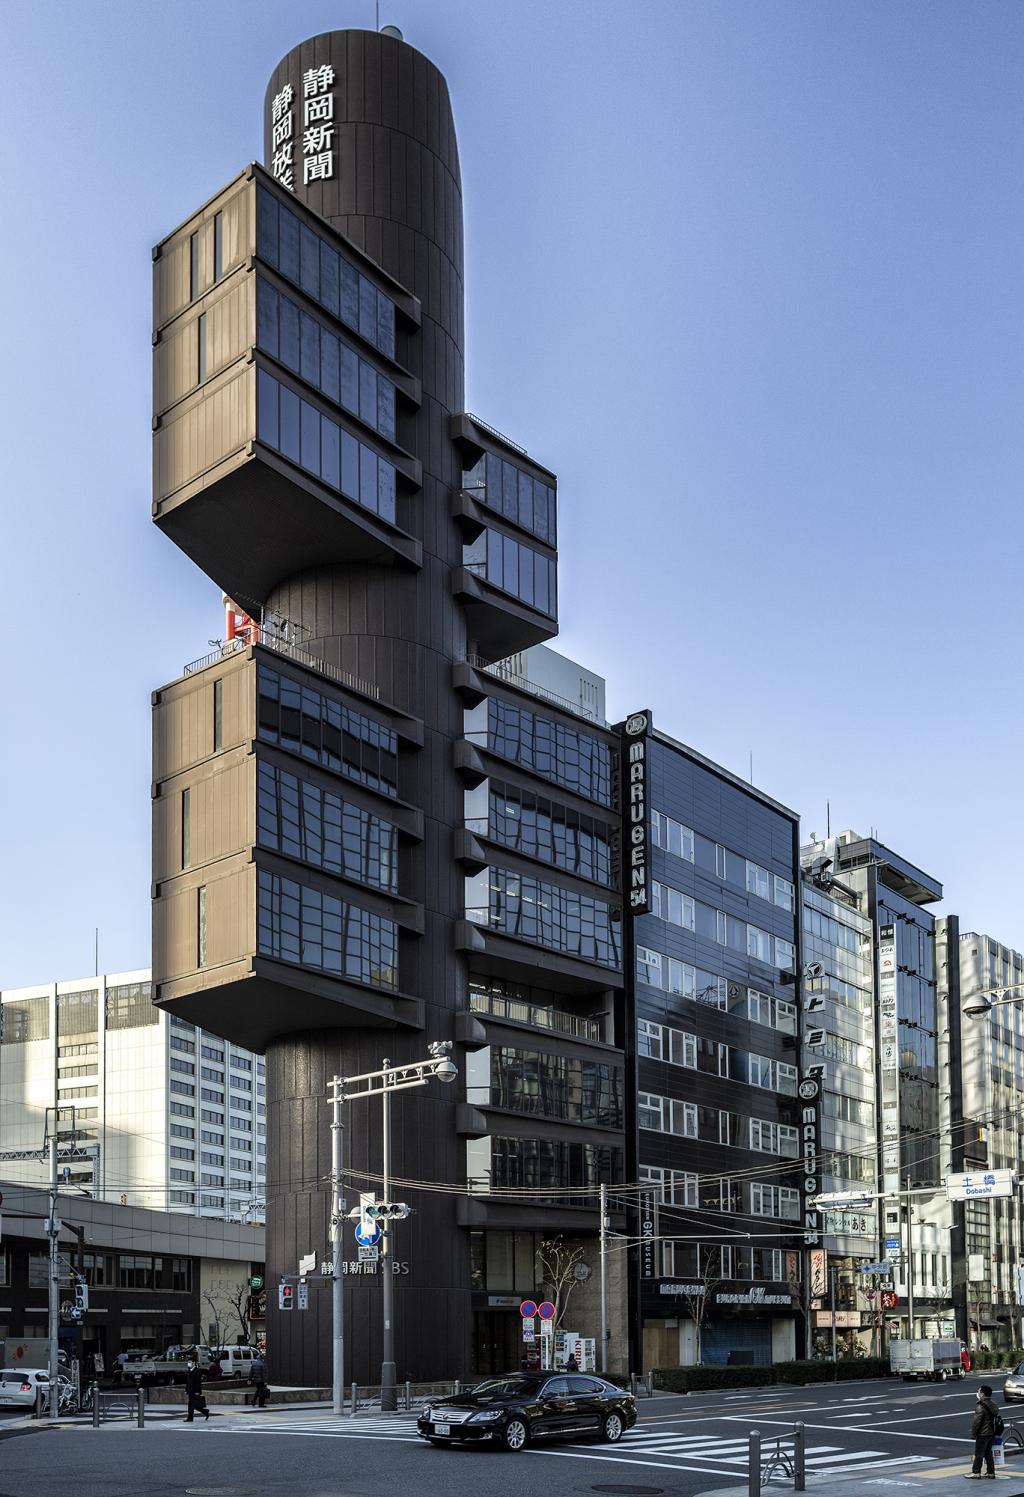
[
  {"x": 840, "y": 1033},
  {"x": 717, "y": 1122},
  {"x": 895, "y": 896}
]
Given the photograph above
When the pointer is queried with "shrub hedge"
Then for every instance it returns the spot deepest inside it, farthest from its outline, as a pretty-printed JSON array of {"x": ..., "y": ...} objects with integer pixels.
[{"x": 696, "y": 1379}]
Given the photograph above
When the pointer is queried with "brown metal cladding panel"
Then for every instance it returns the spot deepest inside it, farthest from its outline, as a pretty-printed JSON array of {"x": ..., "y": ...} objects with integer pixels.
[
  {"x": 197, "y": 437},
  {"x": 230, "y": 333}
]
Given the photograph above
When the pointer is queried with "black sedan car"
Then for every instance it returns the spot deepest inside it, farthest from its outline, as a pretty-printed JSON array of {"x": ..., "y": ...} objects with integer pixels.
[{"x": 511, "y": 1411}]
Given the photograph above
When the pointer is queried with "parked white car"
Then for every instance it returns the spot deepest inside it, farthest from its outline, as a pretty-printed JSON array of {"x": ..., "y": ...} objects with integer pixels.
[
  {"x": 18, "y": 1387},
  {"x": 236, "y": 1361}
]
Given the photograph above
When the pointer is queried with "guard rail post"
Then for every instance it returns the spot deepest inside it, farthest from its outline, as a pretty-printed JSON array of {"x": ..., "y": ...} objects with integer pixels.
[
  {"x": 650, "y": 1383},
  {"x": 799, "y": 1476},
  {"x": 355, "y": 1399},
  {"x": 140, "y": 1410},
  {"x": 754, "y": 1464},
  {"x": 41, "y": 1396},
  {"x": 95, "y": 1405},
  {"x": 408, "y": 1395}
]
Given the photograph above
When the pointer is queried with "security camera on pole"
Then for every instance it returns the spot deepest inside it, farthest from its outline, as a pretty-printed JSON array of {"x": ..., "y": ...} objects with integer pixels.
[{"x": 374, "y": 1216}]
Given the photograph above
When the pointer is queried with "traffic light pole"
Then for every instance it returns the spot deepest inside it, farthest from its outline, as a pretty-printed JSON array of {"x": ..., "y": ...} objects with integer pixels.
[
  {"x": 337, "y": 1288},
  {"x": 604, "y": 1278},
  {"x": 388, "y": 1375}
]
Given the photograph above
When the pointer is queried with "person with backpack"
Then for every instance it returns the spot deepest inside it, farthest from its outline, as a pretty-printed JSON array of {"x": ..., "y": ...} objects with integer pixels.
[{"x": 985, "y": 1426}]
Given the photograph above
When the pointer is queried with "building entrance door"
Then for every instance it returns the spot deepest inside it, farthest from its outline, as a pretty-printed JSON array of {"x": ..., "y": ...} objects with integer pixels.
[{"x": 497, "y": 1342}]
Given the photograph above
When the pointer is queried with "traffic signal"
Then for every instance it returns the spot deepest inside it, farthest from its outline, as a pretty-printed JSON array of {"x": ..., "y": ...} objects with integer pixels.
[
  {"x": 286, "y": 1296},
  {"x": 81, "y": 1295},
  {"x": 386, "y": 1211}
]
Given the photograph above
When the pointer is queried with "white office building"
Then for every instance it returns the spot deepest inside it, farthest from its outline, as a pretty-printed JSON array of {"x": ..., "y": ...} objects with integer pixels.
[{"x": 153, "y": 1111}]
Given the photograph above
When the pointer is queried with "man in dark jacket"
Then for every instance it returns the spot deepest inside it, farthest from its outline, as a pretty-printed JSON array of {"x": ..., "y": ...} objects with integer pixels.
[
  {"x": 194, "y": 1391},
  {"x": 258, "y": 1378},
  {"x": 983, "y": 1432}
]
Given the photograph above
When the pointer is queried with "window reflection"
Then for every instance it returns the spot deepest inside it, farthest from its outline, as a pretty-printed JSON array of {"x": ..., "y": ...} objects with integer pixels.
[{"x": 509, "y": 491}]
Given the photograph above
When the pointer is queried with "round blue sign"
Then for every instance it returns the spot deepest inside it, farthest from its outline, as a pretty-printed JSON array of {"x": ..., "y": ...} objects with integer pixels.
[{"x": 367, "y": 1234}]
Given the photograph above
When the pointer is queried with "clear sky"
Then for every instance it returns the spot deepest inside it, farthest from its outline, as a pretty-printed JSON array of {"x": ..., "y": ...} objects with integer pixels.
[{"x": 745, "y": 273}]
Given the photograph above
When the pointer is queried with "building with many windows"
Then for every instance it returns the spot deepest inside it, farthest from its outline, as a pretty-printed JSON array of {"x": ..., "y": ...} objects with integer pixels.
[
  {"x": 717, "y": 1124},
  {"x": 839, "y": 1032},
  {"x": 911, "y": 1107},
  {"x": 167, "y": 1116},
  {"x": 369, "y": 835}
]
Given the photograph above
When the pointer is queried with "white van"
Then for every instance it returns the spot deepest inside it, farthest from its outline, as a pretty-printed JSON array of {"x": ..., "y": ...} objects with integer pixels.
[{"x": 236, "y": 1361}]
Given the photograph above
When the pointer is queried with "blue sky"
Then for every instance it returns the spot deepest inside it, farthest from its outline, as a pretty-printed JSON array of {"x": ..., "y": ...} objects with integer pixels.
[{"x": 745, "y": 273}]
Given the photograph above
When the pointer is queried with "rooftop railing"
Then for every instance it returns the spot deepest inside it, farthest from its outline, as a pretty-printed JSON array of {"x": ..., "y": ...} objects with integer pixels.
[
  {"x": 519, "y": 1011},
  {"x": 501, "y": 671},
  {"x": 293, "y": 652}
]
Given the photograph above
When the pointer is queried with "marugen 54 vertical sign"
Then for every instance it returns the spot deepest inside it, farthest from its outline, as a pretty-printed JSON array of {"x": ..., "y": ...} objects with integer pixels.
[{"x": 636, "y": 880}]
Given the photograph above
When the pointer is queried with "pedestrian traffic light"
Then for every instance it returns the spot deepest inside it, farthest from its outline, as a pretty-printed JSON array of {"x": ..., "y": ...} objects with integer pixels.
[
  {"x": 286, "y": 1296},
  {"x": 81, "y": 1295}
]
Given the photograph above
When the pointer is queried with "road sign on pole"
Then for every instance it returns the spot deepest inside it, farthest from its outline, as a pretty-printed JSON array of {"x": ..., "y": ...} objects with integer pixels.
[
  {"x": 983, "y": 1185},
  {"x": 876, "y": 1268},
  {"x": 303, "y": 1297},
  {"x": 528, "y": 1309},
  {"x": 546, "y": 1310},
  {"x": 367, "y": 1234}
]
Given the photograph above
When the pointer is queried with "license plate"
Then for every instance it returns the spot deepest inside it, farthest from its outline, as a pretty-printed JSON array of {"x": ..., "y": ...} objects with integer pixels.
[{"x": 442, "y": 1429}]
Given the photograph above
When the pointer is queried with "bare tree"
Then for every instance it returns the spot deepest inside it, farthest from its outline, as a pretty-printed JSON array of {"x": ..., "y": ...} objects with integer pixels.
[
  {"x": 230, "y": 1303},
  {"x": 697, "y": 1294},
  {"x": 559, "y": 1261}
]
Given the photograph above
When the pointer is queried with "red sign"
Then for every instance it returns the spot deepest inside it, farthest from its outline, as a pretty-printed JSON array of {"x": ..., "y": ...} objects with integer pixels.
[
  {"x": 890, "y": 1299},
  {"x": 545, "y": 1309},
  {"x": 527, "y": 1309}
]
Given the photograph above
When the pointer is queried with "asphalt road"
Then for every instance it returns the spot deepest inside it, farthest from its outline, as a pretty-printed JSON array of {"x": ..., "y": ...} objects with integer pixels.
[{"x": 680, "y": 1447}]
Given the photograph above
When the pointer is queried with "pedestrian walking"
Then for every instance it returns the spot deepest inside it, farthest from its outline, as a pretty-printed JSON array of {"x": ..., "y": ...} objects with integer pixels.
[
  {"x": 258, "y": 1379},
  {"x": 985, "y": 1426},
  {"x": 571, "y": 1364},
  {"x": 216, "y": 1370},
  {"x": 194, "y": 1391}
]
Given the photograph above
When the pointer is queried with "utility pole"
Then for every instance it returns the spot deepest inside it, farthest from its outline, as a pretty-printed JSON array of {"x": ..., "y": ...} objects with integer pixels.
[
  {"x": 388, "y": 1390},
  {"x": 52, "y": 1230},
  {"x": 337, "y": 1291},
  {"x": 832, "y": 1301},
  {"x": 604, "y": 1278},
  {"x": 910, "y": 1262}
]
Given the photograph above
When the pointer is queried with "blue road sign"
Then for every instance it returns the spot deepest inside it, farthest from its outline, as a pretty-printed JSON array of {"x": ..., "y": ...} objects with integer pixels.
[
  {"x": 367, "y": 1233},
  {"x": 878, "y": 1268}
]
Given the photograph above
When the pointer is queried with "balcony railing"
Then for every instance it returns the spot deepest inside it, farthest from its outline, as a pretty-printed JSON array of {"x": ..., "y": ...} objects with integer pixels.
[
  {"x": 501, "y": 671},
  {"x": 293, "y": 652},
  {"x": 518, "y": 1011},
  {"x": 484, "y": 426}
]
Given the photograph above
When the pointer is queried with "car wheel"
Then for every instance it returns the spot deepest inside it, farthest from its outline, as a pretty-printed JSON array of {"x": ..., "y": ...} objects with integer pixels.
[
  {"x": 942, "y": 1375},
  {"x": 612, "y": 1428},
  {"x": 515, "y": 1435}
]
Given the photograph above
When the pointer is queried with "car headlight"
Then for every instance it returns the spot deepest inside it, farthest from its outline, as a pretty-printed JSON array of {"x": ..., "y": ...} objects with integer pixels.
[
  {"x": 486, "y": 1416},
  {"x": 426, "y": 1411}
]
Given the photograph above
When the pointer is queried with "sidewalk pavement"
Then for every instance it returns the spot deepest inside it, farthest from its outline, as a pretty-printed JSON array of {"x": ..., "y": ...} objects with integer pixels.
[{"x": 943, "y": 1479}]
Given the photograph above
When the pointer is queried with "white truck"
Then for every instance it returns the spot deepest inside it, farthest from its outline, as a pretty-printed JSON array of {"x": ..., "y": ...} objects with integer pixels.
[
  {"x": 169, "y": 1367},
  {"x": 935, "y": 1360}
]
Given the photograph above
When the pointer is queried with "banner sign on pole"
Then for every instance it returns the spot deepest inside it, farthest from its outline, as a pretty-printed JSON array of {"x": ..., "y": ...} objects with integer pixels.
[{"x": 990, "y": 1183}]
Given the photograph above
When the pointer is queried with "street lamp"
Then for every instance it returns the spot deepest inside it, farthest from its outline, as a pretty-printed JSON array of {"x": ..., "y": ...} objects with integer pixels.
[
  {"x": 437, "y": 1067},
  {"x": 983, "y": 1003}
]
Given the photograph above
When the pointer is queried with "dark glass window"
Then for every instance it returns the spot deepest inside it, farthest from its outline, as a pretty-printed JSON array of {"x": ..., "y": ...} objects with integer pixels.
[
  {"x": 556, "y": 1086},
  {"x": 218, "y": 246},
  {"x": 201, "y": 347},
  {"x": 571, "y": 758},
  {"x": 308, "y": 261},
  {"x": 548, "y": 914},
  {"x": 218, "y": 716},
  {"x": 193, "y": 266},
  {"x": 301, "y": 925},
  {"x": 303, "y": 821},
  {"x": 296, "y": 429},
  {"x": 542, "y": 828},
  {"x": 186, "y": 828},
  {"x": 326, "y": 732},
  {"x": 201, "y": 926},
  {"x": 542, "y": 1163},
  {"x": 509, "y": 491},
  {"x": 516, "y": 569}
]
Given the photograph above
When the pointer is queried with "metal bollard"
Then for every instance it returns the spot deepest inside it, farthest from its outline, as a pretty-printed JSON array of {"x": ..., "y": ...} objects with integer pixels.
[
  {"x": 95, "y": 1406},
  {"x": 42, "y": 1396},
  {"x": 632, "y": 1383},
  {"x": 799, "y": 1483},
  {"x": 408, "y": 1395},
  {"x": 754, "y": 1482},
  {"x": 355, "y": 1399},
  {"x": 141, "y": 1407},
  {"x": 650, "y": 1383}
]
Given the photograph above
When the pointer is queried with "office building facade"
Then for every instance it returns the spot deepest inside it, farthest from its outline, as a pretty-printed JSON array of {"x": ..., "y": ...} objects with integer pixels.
[
  {"x": 165, "y": 1116},
  {"x": 912, "y": 1108},
  {"x": 839, "y": 1034},
  {"x": 365, "y": 839},
  {"x": 717, "y": 1131}
]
